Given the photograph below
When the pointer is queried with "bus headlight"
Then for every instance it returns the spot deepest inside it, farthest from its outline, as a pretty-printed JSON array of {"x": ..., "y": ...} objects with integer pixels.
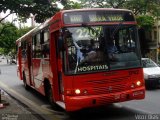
[
  {"x": 138, "y": 83},
  {"x": 77, "y": 91}
]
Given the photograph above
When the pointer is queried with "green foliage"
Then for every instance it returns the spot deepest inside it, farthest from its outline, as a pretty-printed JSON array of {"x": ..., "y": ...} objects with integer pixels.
[
  {"x": 9, "y": 33},
  {"x": 42, "y": 9},
  {"x": 142, "y": 7},
  {"x": 22, "y": 31},
  {"x": 7, "y": 37},
  {"x": 103, "y": 3},
  {"x": 139, "y": 7},
  {"x": 71, "y": 5},
  {"x": 145, "y": 21}
]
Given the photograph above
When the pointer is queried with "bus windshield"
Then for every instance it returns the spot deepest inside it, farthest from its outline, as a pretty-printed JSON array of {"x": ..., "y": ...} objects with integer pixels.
[{"x": 100, "y": 48}]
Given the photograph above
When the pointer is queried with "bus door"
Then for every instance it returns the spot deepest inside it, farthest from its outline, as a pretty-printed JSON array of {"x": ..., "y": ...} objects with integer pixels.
[
  {"x": 29, "y": 61},
  {"x": 56, "y": 63}
]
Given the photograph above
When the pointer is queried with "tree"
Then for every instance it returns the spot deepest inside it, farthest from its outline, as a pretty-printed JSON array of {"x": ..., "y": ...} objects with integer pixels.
[
  {"x": 145, "y": 21},
  {"x": 103, "y": 3},
  {"x": 137, "y": 6},
  {"x": 41, "y": 9},
  {"x": 8, "y": 35},
  {"x": 71, "y": 5}
]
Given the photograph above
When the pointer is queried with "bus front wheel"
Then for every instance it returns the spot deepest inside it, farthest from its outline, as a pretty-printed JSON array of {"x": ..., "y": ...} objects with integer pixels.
[{"x": 49, "y": 95}]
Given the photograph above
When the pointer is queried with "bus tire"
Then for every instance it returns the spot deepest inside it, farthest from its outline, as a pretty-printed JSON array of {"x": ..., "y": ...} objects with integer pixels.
[{"x": 24, "y": 82}]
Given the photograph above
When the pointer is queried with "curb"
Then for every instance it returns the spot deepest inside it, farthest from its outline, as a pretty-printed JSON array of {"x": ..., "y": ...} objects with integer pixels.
[{"x": 3, "y": 103}]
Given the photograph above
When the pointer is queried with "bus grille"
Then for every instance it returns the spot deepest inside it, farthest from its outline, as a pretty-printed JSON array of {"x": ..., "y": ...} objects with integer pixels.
[
  {"x": 109, "y": 89},
  {"x": 107, "y": 81},
  {"x": 108, "y": 86}
]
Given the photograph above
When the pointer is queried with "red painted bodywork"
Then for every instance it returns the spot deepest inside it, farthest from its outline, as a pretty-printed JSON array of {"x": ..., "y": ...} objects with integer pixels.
[
  {"x": 98, "y": 86},
  {"x": 102, "y": 88}
]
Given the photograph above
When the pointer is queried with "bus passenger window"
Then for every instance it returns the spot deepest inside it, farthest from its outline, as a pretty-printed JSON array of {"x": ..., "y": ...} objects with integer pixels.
[
  {"x": 45, "y": 50},
  {"x": 33, "y": 46},
  {"x": 24, "y": 49},
  {"x": 42, "y": 37},
  {"x": 45, "y": 44},
  {"x": 37, "y": 46}
]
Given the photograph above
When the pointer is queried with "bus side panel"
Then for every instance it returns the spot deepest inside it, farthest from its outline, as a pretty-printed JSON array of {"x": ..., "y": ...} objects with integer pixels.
[
  {"x": 19, "y": 69},
  {"x": 38, "y": 75}
]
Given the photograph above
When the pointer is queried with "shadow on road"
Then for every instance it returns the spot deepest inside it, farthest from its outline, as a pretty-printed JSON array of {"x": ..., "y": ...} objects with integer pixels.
[{"x": 111, "y": 112}]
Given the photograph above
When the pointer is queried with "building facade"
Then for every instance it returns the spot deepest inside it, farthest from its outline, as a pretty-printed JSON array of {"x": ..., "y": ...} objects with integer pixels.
[{"x": 153, "y": 42}]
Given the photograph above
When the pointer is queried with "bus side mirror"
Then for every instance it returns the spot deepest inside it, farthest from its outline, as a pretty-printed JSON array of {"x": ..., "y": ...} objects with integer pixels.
[{"x": 60, "y": 43}]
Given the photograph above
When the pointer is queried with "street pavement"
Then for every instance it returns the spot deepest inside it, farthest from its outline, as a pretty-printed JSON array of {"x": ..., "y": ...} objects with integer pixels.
[{"x": 11, "y": 109}]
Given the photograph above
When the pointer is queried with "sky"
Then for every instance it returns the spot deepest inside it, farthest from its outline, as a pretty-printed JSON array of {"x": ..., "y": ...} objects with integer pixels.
[{"x": 11, "y": 17}]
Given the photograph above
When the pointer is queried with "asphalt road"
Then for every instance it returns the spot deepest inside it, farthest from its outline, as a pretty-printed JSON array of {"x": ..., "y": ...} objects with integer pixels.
[{"x": 147, "y": 109}]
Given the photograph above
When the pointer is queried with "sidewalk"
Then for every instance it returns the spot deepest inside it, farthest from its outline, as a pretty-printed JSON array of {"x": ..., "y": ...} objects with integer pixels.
[{"x": 11, "y": 109}]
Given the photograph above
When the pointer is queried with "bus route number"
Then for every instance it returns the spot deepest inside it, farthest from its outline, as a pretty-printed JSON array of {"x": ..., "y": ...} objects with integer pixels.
[{"x": 85, "y": 33}]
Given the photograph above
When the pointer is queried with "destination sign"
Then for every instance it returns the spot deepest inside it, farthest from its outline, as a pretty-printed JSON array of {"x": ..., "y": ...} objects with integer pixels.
[
  {"x": 76, "y": 19},
  {"x": 100, "y": 18},
  {"x": 97, "y": 16},
  {"x": 92, "y": 68}
]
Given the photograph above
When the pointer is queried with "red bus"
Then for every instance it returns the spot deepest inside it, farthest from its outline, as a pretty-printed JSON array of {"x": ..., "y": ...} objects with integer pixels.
[{"x": 83, "y": 58}]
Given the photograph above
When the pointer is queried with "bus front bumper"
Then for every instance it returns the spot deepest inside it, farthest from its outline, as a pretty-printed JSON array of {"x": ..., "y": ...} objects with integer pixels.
[{"x": 74, "y": 103}]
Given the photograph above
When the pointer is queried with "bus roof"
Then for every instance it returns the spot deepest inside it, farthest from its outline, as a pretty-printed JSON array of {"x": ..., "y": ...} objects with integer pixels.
[
  {"x": 92, "y": 9},
  {"x": 34, "y": 30},
  {"x": 46, "y": 23}
]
